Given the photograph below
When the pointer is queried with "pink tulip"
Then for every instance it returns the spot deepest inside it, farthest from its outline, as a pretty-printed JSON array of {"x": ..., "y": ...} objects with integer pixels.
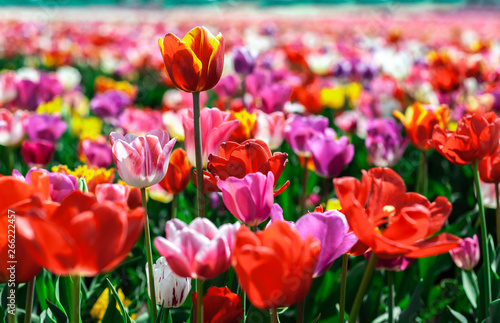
[
  {"x": 466, "y": 255},
  {"x": 140, "y": 121},
  {"x": 215, "y": 129},
  {"x": 142, "y": 161},
  {"x": 200, "y": 250},
  {"x": 249, "y": 198},
  {"x": 37, "y": 153},
  {"x": 270, "y": 128},
  {"x": 12, "y": 127},
  {"x": 112, "y": 192}
]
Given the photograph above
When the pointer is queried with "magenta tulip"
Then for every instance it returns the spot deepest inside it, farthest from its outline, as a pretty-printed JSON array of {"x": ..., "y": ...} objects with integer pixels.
[
  {"x": 142, "y": 161},
  {"x": 37, "y": 153},
  {"x": 249, "y": 198},
  {"x": 330, "y": 155},
  {"x": 200, "y": 250},
  {"x": 112, "y": 192},
  {"x": 466, "y": 255}
]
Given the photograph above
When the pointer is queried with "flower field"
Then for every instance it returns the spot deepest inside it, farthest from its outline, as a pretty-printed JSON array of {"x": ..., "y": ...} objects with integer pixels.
[{"x": 243, "y": 164}]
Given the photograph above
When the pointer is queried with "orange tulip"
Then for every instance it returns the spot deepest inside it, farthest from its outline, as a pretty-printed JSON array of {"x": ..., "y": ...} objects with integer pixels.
[
  {"x": 419, "y": 121},
  {"x": 193, "y": 63},
  {"x": 178, "y": 173},
  {"x": 275, "y": 267}
]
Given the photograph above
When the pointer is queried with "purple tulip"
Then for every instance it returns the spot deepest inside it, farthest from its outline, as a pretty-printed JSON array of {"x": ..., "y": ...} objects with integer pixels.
[
  {"x": 96, "y": 153},
  {"x": 31, "y": 94},
  {"x": 274, "y": 97},
  {"x": 330, "y": 155},
  {"x": 384, "y": 142},
  {"x": 48, "y": 127},
  {"x": 392, "y": 264},
  {"x": 61, "y": 185},
  {"x": 244, "y": 60},
  {"x": 109, "y": 104},
  {"x": 300, "y": 129},
  {"x": 37, "y": 153},
  {"x": 466, "y": 255},
  {"x": 227, "y": 86},
  {"x": 249, "y": 198}
]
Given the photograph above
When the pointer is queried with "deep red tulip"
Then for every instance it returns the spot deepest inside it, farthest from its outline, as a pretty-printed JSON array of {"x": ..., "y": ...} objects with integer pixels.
[
  {"x": 220, "y": 305},
  {"x": 489, "y": 168}
]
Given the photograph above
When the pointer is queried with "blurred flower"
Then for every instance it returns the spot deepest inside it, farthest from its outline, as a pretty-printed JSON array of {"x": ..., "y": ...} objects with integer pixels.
[
  {"x": 348, "y": 121},
  {"x": 12, "y": 127},
  {"x": 142, "y": 161},
  {"x": 220, "y": 305},
  {"x": 310, "y": 97},
  {"x": 109, "y": 104},
  {"x": 216, "y": 127},
  {"x": 172, "y": 120},
  {"x": 101, "y": 305},
  {"x": 244, "y": 60},
  {"x": 270, "y": 128},
  {"x": 95, "y": 152},
  {"x": 443, "y": 72},
  {"x": 93, "y": 175},
  {"x": 195, "y": 63},
  {"x": 227, "y": 86},
  {"x": 477, "y": 136},
  {"x": 37, "y": 153},
  {"x": 250, "y": 198},
  {"x": 244, "y": 130},
  {"x": 384, "y": 142},
  {"x": 61, "y": 185},
  {"x": 333, "y": 98},
  {"x": 61, "y": 244},
  {"x": 51, "y": 107},
  {"x": 200, "y": 250},
  {"x": 275, "y": 267},
  {"x": 466, "y": 255},
  {"x": 130, "y": 196},
  {"x": 86, "y": 128},
  {"x": 174, "y": 99},
  {"x": 171, "y": 290},
  {"x": 390, "y": 221},
  {"x": 32, "y": 93},
  {"x": 139, "y": 122},
  {"x": 178, "y": 174},
  {"x": 48, "y": 127},
  {"x": 103, "y": 84},
  {"x": 273, "y": 97},
  {"x": 330, "y": 155},
  {"x": 419, "y": 122},
  {"x": 69, "y": 77},
  {"x": 8, "y": 88},
  {"x": 392, "y": 264},
  {"x": 299, "y": 129},
  {"x": 159, "y": 194}
]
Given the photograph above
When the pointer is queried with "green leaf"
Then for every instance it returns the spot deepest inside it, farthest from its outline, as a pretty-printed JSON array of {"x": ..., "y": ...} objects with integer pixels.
[
  {"x": 469, "y": 282},
  {"x": 59, "y": 313},
  {"x": 460, "y": 318},
  {"x": 64, "y": 287},
  {"x": 125, "y": 316},
  {"x": 410, "y": 313},
  {"x": 494, "y": 316},
  {"x": 112, "y": 315}
]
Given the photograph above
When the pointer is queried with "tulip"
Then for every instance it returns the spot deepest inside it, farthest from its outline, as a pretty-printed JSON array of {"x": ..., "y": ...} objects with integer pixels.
[
  {"x": 384, "y": 142},
  {"x": 12, "y": 127},
  {"x": 40, "y": 89},
  {"x": 112, "y": 192},
  {"x": 61, "y": 185},
  {"x": 48, "y": 127},
  {"x": 215, "y": 129},
  {"x": 419, "y": 122},
  {"x": 93, "y": 175},
  {"x": 392, "y": 264},
  {"x": 178, "y": 174},
  {"x": 172, "y": 121},
  {"x": 220, "y": 305},
  {"x": 37, "y": 153},
  {"x": 69, "y": 77},
  {"x": 477, "y": 136},
  {"x": 139, "y": 122},
  {"x": 466, "y": 255},
  {"x": 389, "y": 220},
  {"x": 489, "y": 167},
  {"x": 270, "y": 128},
  {"x": 348, "y": 121},
  {"x": 275, "y": 267},
  {"x": 171, "y": 290},
  {"x": 142, "y": 161},
  {"x": 244, "y": 130},
  {"x": 226, "y": 87},
  {"x": 193, "y": 63},
  {"x": 200, "y": 250},
  {"x": 249, "y": 199},
  {"x": 273, "y": 97},
  {"x": 95, "y": 152},
  {"x": 8, "y": 88},
  {"x": 61, "y": 244},
  {"x": 443, "y": 73},
  {"x": 109, "y": 104},
  {"x": 244, "y": 60},
  {"x": 330, "y": 155},
  {"x": 299, "y": 129}
]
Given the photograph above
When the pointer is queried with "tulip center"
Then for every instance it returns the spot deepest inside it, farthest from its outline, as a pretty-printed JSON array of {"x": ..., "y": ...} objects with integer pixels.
[{"x": 382, "y": 220}]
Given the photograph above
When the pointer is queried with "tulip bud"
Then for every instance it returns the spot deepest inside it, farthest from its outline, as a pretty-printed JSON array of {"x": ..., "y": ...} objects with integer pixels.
[
  {"x": 244, "y": 60},
  {"x": 171, "y": 290},
  {"x": 466, "y": 255}
]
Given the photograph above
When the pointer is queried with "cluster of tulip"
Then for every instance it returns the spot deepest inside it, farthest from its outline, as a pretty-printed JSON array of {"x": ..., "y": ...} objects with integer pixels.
[{"x": 268, "y": 237}]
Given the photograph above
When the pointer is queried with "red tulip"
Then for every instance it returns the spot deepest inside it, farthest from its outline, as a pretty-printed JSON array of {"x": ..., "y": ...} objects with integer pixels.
[
  {"x": 489, "y": 168},
  {"x": 178, "y": 174},
  {"x": 220, "y": 305}
]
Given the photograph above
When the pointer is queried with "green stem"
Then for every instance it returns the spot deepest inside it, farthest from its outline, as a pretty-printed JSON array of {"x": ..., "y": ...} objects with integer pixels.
[
  {"x": 343, "y": 283},
  {"x": 29, "y": 300},
  {"x": 199, "y": 291},
  {"x": 244, "y": 307},
  {"x": 8, "y": 158},
  {"x": 75, "y": 299},
  {"x": 484, "y": 242},
  {"x": 362, "y": 288},
  {"x": 497, "y": 194},
  {"x": 149, "y": 255},
  {"x": 274, "y": 316},
  {"x": 390, "y": 285},
  {"x": 303, "y": 198},
  {"x": 200, "y": 196},
  {"x": 243, "y": 90},
  {"x": 173, "y": 213},
  {"x": 11, "y": 318},
  {"x": 300, "y": 311},
  {"x": 422, "y": 174}
]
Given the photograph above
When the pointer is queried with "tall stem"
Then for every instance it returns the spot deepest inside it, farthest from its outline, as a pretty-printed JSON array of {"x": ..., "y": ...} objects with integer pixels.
[
  {"x": 343, "y": 283},
  {"x": 300, "y": 311},
  {"x": 149, "y": 255},
  {"x": 243, "y": 90},
  {"x": 75, "y": 299},
  {"x": 199, "y": 291},
  {"x": 422, "y": 174},
  {"x": 390, "y": 285},
  {"x": 274, "y": 316},
  {"x": 497, "y": 194},
  {"x": 484, "y": 242},
  {"x": 362, "y": 288},
  {"x": 11, "y": 318},
  {"x": 29, "y": 300},
  {"x": 173, "y": 213},
  {"x": 303, "y": 197},
  {"x": 200, "y": 196}
]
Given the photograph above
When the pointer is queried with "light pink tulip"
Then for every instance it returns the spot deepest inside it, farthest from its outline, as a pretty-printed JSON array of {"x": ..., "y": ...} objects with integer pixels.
[
  {"x": 215, "y": 129},
  {"x": 112, "y": 192},
  {"x": 270, "y": 128},
  {"x": 249, "y": 198},
  {"x": 200, "y": 250},
  {"x": 466, "y": 255},
  {"x": 140, "y": 121},
  {"x": 142, "y": 161},
  {"x": 12, "y": 127}
]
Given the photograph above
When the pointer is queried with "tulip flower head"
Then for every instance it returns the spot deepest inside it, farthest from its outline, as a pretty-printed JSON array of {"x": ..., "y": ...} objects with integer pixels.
[
  {"x": 270, "y": 128},
  {"x": 489, "y": 167},
  {"x": 220, "y": 305},
  {"x": 384, "y": 142},
  {"x": 466, "y": 255},
  {"x": 178, "y": 174},
  {"x": 12, "y": 127},
  {"x": 37, "y": 153},
  {"x": 193, "y": 63},
  {"x": 299, "y": 129},
  {"x": 171, "y": 290},
  {"x": 142, "y": 161},
  {"x": 330, "y": 155},
  {"x": 244, "y": 60}
]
